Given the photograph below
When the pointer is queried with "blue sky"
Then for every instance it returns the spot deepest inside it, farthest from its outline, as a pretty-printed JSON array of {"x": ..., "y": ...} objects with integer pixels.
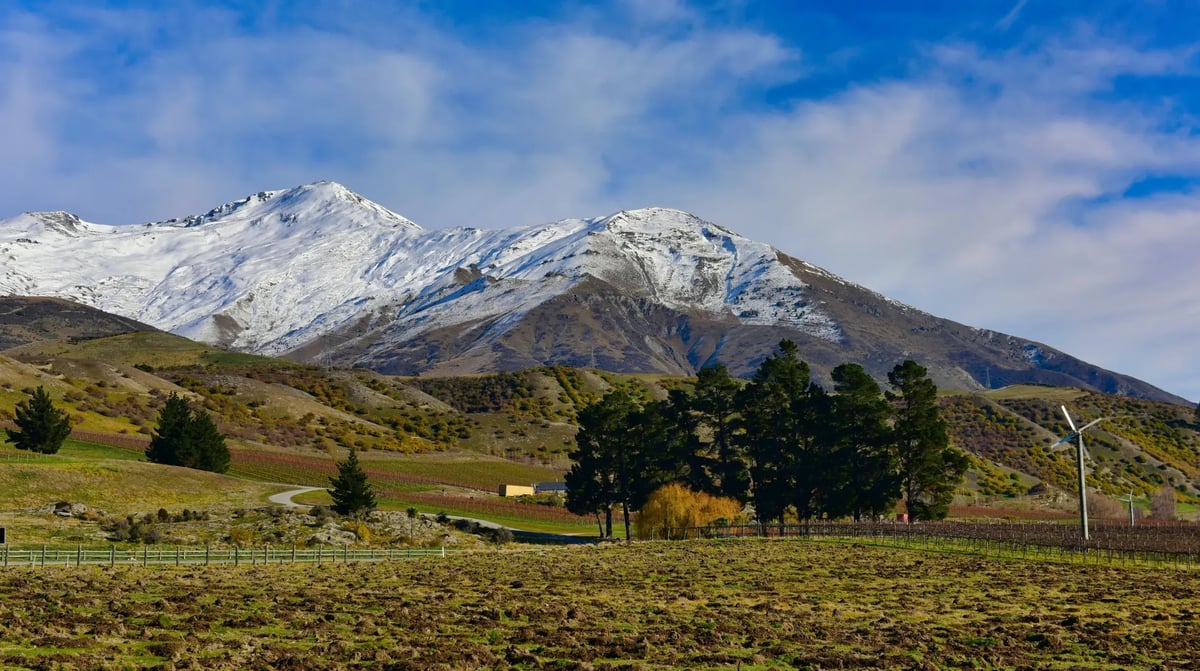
[{"x": 1026, "y": 166}]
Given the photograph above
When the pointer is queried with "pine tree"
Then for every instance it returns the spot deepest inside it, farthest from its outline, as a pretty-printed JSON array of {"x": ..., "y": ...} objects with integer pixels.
[
  {"x": 352, "y": 494},
  {"x": 929, "y": 468},
  {"x": 41, "y": 427},
  {"x": 781, "y": 418},
  {"x": 208, "y": 444},
  {"x": 610, "y": 465},
  {"x": 670, "y": 445},
  {"x": 169, "y": 443},
  {"x": 863, "y": 470},
  {"x": 187, "y": 438},
  {"x": 714, "y": 400}
]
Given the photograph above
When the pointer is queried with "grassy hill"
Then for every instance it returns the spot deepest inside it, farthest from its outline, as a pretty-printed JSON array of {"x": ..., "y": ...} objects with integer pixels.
[
  {"x": 446, "y": 444},
  {"x": 1141, "y": 446}
]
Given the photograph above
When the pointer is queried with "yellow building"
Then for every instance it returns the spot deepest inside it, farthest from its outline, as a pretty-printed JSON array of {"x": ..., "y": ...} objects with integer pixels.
[{"x": 516, "y": 490}]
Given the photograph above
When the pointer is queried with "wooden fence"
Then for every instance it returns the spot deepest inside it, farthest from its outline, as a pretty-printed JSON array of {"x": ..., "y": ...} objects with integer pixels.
[
  {"x": 1173, "y": 545},
  {"x": 179, "y": 556}
]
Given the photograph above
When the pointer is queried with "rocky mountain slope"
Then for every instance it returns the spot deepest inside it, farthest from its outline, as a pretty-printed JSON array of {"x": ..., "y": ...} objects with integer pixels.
[{"x": 321, "y": 274}]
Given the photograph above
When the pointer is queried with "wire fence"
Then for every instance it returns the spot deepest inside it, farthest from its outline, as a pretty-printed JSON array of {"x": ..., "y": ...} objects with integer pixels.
[
  {"x": 1171, "y": 545},
  {"x": 181, "y": 555}
]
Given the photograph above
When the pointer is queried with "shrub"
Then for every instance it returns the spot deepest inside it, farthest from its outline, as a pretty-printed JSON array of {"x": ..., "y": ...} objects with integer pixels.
[
  {"x": 240, "y": 536},
  {"x": 499, "y": 536},
  {"x": 360, "y": 530}
]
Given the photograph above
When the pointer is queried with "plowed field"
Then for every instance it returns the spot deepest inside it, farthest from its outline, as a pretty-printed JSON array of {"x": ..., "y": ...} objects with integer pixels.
[{"x": 749, "y": 604}]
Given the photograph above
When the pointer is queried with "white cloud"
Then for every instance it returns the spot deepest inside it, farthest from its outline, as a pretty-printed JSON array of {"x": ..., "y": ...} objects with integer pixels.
[
  {"x": 976, "y": 205},
  {"x": 982, "y": 187}
]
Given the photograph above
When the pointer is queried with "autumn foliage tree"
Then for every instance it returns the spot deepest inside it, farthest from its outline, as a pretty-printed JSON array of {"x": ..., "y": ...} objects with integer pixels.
[{"x": 675, "y": 507}]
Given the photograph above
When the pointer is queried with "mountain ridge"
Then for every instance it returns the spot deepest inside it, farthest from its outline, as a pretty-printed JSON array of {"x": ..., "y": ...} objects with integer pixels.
[{"x": 321, "y": 274}]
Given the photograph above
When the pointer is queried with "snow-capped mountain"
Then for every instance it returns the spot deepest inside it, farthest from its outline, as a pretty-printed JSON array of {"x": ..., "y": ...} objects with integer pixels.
[{"x": 320, "y": 273}]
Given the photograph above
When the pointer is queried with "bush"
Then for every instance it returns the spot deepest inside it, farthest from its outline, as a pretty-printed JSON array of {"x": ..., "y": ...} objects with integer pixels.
[
  {"x": 132, "y": 529},
  {"x": 360, "y": 530},
  {"x": 499, "y": 536}
]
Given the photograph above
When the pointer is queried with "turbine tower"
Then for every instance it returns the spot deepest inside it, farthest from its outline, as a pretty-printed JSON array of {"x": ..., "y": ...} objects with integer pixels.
[{"x": 1079, "y": 453}]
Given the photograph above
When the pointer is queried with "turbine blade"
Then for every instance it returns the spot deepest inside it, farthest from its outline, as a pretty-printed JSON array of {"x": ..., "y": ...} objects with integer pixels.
[
  {"x": 1090, "y": 424},
  {"x": 1069, "y": 421}
]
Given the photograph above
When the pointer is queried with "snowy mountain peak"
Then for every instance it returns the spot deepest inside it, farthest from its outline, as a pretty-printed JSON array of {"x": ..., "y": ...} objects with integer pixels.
[
  {"x": 320, "y": 202},
  {"x": 323, "y": 274},
  {"x": 33, "y": 226},
  {"x": 656, "y": 221}
]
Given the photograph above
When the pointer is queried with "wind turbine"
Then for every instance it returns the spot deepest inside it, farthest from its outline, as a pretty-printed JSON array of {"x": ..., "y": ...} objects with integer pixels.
[{"x": 1079, "y": 453}]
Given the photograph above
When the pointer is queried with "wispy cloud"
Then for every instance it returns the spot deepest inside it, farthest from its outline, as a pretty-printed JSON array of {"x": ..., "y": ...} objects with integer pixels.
[
  {"x": 1008, "y": 19},
  {"x": 979, "y": 182}
]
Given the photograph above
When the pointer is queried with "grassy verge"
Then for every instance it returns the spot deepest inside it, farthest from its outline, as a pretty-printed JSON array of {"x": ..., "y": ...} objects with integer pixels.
[{"x": 528, "y": 518}]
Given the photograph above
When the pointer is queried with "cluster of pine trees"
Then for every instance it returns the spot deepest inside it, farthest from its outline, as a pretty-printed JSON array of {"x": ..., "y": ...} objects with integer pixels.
[
  {"x": 187, "y": 437},
  {"x": 779, "y": 442}
]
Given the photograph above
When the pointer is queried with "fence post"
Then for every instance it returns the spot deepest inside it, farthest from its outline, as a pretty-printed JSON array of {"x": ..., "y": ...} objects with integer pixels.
[
  {"x": 293, "y": 553},
  {"x": 112, "y": 556},
  {"x": 177, "y": 555},
  {"x": 206, "y": 554},
  {"x": 345, "y": 553},
  {"x": 443, "y": 551},
  {"x": 320, "y": 546},
  {"x": 43, "y": 555},
  {"x": 145, "y": 554},
  {"x": 236, "y": 556},
  {"x": 79, "y": 555},
  {"x": 5, "y": 556}
]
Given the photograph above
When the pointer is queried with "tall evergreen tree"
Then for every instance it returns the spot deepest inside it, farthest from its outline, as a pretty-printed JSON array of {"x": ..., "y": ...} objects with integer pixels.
[
  {"x": 929, "y": 468},
  {"x": 671, "y": 447},
  {"x": 863, "y": 474},
  {"x": 780, "y": 435},
  {"x": 608, "y": 456},
  {"x": 715, "y": 401},
  {"x": 351, "y": 492},
  {"x": 187, "y": 438},
  {"x": 170, "y": 443},
  {"x": 211, "y": 453},
  {"x": 41, "y": 427}
]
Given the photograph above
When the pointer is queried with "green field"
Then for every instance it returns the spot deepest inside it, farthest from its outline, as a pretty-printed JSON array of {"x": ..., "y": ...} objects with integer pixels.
[{"x": 751, "y": 605}]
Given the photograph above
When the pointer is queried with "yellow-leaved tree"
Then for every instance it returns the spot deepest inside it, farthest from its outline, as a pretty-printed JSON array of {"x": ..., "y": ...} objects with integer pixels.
[{"x": 673, "y": 508}]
